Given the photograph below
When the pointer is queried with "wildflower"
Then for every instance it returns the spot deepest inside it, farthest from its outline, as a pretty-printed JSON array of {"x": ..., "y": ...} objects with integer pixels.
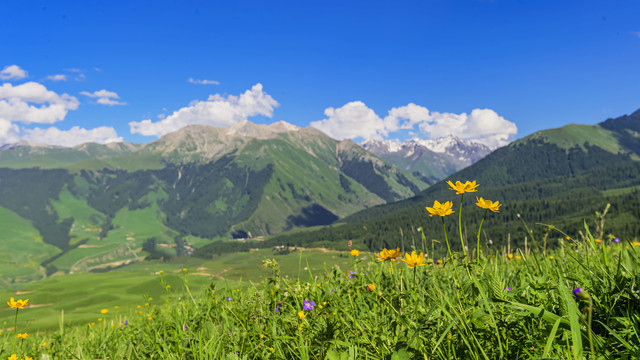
[
  {"x": 352, "y": 274},
  {"x": 355, "y": 252},
  {"x": 488, "y": 204},
  {"x": 371, "y": 287},
  {"x": 597, "y": 240},
  {"x": 635, "y": 243},
  {"x": 22, "y": 336},
  {"x": 20, "y": 304},
  {"x": 507, "y": 288},
  {"x": 510, "y": 256},
  {"x": 184, "y": 326},
  {"x": 104, "y": 311},
  {"x": 13, "y": 357},
  {"x": 438, "y": 261},
  {"x": 125, "y": 322},
  {"x": 185, "y": 270},
  {"x": 308, "y": 305},
  {"x": 518, "y": 257},
  {"x": 580, "y": 294},
  {"x": 28, "y": 358},
  {"x": 414, "y": 260},
  {"x": 278, "y": 306},
  {"x": 45, "y": 343},
  {"x": 161, "y": 272},
  {"x": 99, "y": 319},
  {"x": 440, "y": 209},
  {"x": 567, "y": 238},
  {"x": 616, "y": 240},
  {"x": 390, "y": 255},
  {"x": 461, "y": 188},
  {"x": 301, "y": 314},
  {"x": 229, "y": 298},
  {"x": 261, "y": 336}
]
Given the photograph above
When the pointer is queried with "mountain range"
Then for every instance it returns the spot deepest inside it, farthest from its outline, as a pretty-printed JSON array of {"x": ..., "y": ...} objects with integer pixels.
[
  {"x": 431, "y": 160},
  {"x": 95, "y": 206}
]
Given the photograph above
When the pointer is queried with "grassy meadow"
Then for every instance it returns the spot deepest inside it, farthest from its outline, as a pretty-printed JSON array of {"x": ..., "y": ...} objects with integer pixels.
[{"x": 579, "y": 300}]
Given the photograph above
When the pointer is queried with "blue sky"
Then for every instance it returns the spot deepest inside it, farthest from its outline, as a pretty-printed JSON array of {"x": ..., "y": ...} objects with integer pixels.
[{"x": 491, "y": 71}]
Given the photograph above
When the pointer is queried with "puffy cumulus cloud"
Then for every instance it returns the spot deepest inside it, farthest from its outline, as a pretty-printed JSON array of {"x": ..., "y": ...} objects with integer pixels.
[
  {"x": 104, "y": 97},
  {"x": 350, "y": 121},
  {"x": 203, "y": 81},
  {"x": 356, "y": 120},
  {"x": 12, "y": 72},
  {"x": 481, "y": 125},
  {"x": 33, "y": 103},
  {"x": 217, "y": 110},
  {"x": 57, "y": 77},
  {"x": 74, "y": 136}
]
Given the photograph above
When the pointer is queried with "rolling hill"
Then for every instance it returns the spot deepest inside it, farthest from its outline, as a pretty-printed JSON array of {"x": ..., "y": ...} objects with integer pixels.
[{"x": 557, "y": 176}]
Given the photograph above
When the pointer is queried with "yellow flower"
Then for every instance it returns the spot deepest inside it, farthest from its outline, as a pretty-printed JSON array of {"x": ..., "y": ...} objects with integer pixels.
[
  {"x": 22, "y": 336},
  {"x": 488, "y": 204},
  {"x": 20, "y": 304},
  {"x": 28, "y": 358},
  {"x": 301, "y": 315},
  {"x": 440, "y": 209},
  {"x": 518, "y": 257},
  {"x": 510, "y": 256},
  {"x": 372, "y": 286},
  {"x": 635, "y": 243},
  {"x": 414, "y": 259},
  {"x": 568, "y": 238},
  {"x": 261, "y": 336},
  {"x": 355, "y": 252},
  {"x": 13, "y": 357},
  {"x": 461, "y": 188},
  {"x": 104, "y": 311},
  {"x": 551, "y": 257},
  {"x": 597, "y": 240},
  {"x": 45, "y": 343},
  {"x": 390, "y": 255}
]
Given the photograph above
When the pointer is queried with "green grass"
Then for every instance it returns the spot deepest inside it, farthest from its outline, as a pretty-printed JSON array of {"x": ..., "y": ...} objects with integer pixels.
[
  {"x": 81, "y": 295},
  {"x": 517, "y": 307},
  {"x": 576, "y": 134},
  {"x": 21, "y": 249}
]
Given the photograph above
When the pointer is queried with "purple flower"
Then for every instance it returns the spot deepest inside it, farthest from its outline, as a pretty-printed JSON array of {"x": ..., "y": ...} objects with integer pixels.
[
  {"x": 580, "y": 294},
  {"x": 229, "y": 298},
  {"x": 125, "y": 322},
  {"x": 352, "y": 274},
  {"x": 616, "y": 240},
  {"x": 507, "y": 288},
  {"x": 308, "y": 305},
  {"x": 278, "y": 307}
]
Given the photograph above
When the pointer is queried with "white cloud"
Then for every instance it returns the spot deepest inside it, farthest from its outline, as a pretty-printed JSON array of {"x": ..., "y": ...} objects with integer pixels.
[
  {"x": 12, "y": 72},
  {"x": 481, "y": 125},
  {"x": 57, "y": 77},
  {"x": 104, "y": 97},
  {"x": 74, "y": 136},
  {"x": 33, "y": 103},
  {"x": 356, "y": 120},
  {"x": 217, "y": 110},
  {"x": 203, "y": 82},
  {"x": 350, "y": 121}
]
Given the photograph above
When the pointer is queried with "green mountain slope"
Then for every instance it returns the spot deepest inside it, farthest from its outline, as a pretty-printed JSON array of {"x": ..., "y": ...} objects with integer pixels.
[
  {"x": 559, "y": 176},
  {"x": 99, "y": 206}
]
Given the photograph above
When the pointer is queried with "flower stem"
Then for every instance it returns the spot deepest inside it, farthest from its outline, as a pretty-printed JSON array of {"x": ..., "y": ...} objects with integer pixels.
[
  {"x": 480, "y": 228},
  {"x": 15, "y": 331},
  {"x": 446, "y": 239},
  {"x": 460, "y": 227}
]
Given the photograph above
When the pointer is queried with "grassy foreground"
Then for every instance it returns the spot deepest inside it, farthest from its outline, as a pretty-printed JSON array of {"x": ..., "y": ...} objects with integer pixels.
[{"x": 581, "y": 301}]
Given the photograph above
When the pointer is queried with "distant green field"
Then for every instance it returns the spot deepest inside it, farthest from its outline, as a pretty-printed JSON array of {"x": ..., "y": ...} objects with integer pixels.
[
  {"x": 21, "y": 249},
  {"x": 82, "y": 295}
]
